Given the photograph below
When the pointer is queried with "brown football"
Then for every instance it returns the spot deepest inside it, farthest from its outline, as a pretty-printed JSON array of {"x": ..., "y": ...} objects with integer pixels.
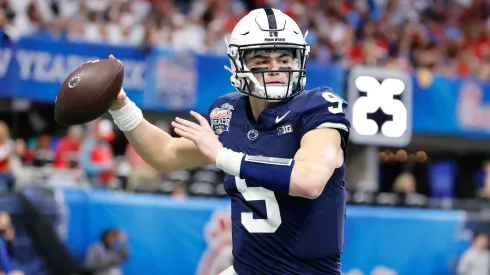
[{"x": 88, "y": 92}]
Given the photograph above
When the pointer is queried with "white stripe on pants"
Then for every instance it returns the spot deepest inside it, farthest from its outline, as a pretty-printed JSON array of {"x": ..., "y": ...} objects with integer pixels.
[{"x": 229, "y": 271}]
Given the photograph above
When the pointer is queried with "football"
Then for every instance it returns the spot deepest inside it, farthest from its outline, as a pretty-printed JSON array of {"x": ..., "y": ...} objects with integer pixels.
[{"x": 88, "y": 92}]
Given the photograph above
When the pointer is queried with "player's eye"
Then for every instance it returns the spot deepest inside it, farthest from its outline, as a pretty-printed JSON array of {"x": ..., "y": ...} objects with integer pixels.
[{"x": 285, "y": 61}]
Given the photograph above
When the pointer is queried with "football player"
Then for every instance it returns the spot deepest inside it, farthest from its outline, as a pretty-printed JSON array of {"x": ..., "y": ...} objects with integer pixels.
[{"x": 283, "y": 150}]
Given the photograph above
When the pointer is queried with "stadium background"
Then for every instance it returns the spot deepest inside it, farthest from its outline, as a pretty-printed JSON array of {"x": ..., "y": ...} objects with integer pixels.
[{"x": 414, "y": 200}]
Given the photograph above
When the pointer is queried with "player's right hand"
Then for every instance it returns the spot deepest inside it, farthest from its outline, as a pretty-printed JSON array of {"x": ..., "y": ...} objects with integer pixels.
[
  {"x": 120, "y": 101},
  {"x": 121, "y": 97}
]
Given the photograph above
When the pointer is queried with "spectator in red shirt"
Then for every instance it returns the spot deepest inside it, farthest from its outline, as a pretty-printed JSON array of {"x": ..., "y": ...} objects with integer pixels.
[
  {"x": 96, "y": 155},
  {"x": 6, "y": 150},
  {"x": 69, "y": 148}
]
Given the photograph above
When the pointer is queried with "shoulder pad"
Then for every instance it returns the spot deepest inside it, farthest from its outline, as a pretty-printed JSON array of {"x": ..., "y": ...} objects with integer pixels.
[
  {"x": 321, "y": 108},
  {"x": 230, "y": 98}
]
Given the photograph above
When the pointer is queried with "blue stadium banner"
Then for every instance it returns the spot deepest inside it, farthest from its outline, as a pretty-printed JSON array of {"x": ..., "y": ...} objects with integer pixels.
[
  {"x": 164, "y": 80},
  {"x": 451, "y": 106},
  {"x": 194, "y": 236},
  {"x": 160, "y": 80},
  {"x": 35, "y": 68}
]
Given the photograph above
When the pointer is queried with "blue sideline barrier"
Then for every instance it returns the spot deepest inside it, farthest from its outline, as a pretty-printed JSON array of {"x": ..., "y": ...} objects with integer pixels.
[{"x": 168, "y": 236}]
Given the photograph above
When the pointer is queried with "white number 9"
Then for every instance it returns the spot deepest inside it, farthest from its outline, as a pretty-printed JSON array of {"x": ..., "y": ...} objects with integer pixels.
[{"x": 332, "y": 98}]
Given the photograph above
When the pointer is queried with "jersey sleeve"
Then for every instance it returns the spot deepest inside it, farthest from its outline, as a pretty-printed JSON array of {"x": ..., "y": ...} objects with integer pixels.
[
  {"x": 325, "y": 109},
  {"x": 220, "y": 112},
  {"x": 208, "y": 114}
]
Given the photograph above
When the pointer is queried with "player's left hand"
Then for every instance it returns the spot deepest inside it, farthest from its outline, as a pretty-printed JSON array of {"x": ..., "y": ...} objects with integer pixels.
[{"x": 201, "y": 134}]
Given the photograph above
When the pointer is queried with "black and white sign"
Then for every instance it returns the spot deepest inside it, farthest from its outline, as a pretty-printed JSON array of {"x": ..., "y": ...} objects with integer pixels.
[{"x": 380, "y": 106}]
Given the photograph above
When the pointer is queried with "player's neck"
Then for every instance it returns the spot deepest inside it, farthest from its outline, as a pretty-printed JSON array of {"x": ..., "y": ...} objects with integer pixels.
[{"x": 258, "y": 105}]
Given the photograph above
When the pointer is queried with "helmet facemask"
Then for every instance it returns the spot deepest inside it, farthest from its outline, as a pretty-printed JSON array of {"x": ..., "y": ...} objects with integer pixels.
[{"x": 244, "y": 80}]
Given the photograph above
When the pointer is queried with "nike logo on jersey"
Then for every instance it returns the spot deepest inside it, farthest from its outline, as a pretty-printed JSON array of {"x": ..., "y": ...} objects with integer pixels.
[{"x": 278, "y": 119}]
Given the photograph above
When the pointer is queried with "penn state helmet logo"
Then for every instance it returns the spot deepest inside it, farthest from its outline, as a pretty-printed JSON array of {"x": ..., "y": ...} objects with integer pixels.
[
  {"x": 74, "y": 81},
  {"x": 221, "y": 118}
]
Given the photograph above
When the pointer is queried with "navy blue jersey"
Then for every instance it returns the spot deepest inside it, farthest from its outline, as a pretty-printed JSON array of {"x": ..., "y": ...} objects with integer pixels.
[{"x": 280, "y": 234}]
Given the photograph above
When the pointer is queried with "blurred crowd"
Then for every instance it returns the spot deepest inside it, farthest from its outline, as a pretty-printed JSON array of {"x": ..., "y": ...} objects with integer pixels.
[
  {"x": 97, "y": 155},
  {"x": 86, "y": 157},
  {"x": 449, "y": 37}
]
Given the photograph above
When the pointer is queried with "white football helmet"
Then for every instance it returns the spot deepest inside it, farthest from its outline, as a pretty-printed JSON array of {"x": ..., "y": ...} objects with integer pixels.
[{"x": 267, "y": 29}]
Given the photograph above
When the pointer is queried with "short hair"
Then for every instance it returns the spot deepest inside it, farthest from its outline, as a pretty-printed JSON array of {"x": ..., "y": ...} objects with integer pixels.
[
  {"x": 477, "y": 234},
  {"x": 106, "y": 233}
]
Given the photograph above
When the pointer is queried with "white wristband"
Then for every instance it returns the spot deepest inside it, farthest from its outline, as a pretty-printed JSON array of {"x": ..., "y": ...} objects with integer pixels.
[
  {"x": 229, "y": 161},
  {"x": 128, "y": 117}
]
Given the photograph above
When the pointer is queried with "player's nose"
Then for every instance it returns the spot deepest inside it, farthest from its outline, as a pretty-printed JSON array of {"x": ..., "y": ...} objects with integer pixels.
[{"x": 274, "y": 67}]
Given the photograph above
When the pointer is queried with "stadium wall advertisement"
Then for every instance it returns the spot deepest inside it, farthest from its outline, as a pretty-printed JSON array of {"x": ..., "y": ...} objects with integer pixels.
[
  {"x": 164, "y": 80},
  {"x": 160, "y": 80},
  {"x": 193, "y": 236}
]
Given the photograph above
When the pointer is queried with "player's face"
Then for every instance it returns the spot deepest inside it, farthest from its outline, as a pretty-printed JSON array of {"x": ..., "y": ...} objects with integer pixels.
[{"x": 272, "y": 61}]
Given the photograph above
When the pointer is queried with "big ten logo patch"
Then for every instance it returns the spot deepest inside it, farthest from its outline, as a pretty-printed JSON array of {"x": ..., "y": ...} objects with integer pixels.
[
  {"x": 285, "y": 129},
  {"x": 218, "y": 255},
  {"x": 221, "y": 118}
]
